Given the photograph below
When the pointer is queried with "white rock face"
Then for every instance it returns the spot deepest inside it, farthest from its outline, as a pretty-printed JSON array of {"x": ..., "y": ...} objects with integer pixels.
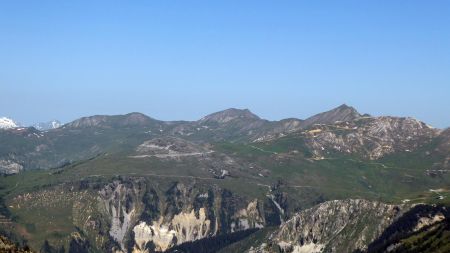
[
  {"x": 169, "y": 147},
  {"x": 7, "y": 123},
  {"x": 249, "y": 217},
  {"x": 184, "y": 227},
  {"x": 9, "y": 167},
  {"x": 114, "y": 200},
  {"x": 308, "y": 248},
  {"x": 47, "y": 125},
  {"x": 159, "y": 234},
  {"x": 121, "y": 203},
  {"x": 427, "y": 221},
  {"x": 287, "y": 247},
  {"x": 189, "y": 228}
]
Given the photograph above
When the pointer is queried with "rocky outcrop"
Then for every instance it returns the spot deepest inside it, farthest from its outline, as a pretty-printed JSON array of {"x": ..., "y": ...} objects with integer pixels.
[
  {"x": 9, "y": 167},
  {"x": 370, "y": 137},
  {"x": 143, "y": 217},
  {"x": 7, "y": 246},
  {"x": 333, "y": 226},
  {"x": 117, "y": 200},
  {"x": 277, "y": 129},
  {"x": 249, "y": 217},
  {"x": 169, "y": 147},
  {"x": 184, "y": 227}
]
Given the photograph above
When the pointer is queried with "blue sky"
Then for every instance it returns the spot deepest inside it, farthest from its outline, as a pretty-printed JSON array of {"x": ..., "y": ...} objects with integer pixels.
[{"x": 184, "y": 59}]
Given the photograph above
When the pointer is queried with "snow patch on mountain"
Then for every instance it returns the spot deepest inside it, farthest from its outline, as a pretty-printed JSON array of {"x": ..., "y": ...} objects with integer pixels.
[
  {"x": 47, "y": 125},
  {"x": 7, "y": 123}
]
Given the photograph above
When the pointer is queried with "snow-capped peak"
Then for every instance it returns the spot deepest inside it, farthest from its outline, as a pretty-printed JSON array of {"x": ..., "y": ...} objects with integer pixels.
[
  {"x": 55, "y": 124},
  {"x": 6, "y": 123},
  {"x": 47, "y": 125}
]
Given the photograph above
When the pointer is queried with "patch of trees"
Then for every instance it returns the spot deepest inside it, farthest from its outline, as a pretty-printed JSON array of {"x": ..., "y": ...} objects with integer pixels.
[
  {"x": 213, "y": 244},
  {"x": 48, "y": 248},
  {"x": 404, "y": 228}
]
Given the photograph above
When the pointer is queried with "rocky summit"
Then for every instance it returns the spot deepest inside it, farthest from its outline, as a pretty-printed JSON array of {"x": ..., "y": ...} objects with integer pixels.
[
  {"x": 338, "y": 181},
  {"x": 340, "y": 113}
]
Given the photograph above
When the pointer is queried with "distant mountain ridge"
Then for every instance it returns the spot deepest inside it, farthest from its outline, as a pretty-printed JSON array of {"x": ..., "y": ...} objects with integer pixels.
[
  {"x": 232, "y": 123},
  {"x": 6, "y": 123},
  {"x": 127, "y": 120},
  {"x": 227, "y": 116},
  {"x": 230, "y": 116},
  {"x": 43, "y": 126}
]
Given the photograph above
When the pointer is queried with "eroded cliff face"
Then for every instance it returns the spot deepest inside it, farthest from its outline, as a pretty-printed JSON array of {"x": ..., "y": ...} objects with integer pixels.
[
  {"x": 184, "y": 227},
  {"x": 333, "y": 226},
  {"x": 146, "y": 218},
  {"x": 249, "y": 217},
  {"x": 140, "y": 214},
  {"x": 143, "y": 215},
  {"x": 117, "y": 200}
]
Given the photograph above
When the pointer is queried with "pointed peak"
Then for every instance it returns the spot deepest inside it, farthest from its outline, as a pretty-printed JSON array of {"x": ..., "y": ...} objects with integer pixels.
[
  {"x": 228, "y": 115},
  {"x": 340, "y": 113},
  {"x": 345, "y": 107}
]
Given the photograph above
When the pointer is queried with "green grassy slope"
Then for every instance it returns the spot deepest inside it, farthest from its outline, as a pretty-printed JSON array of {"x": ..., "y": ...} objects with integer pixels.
[{"x": 283, "y": 166}]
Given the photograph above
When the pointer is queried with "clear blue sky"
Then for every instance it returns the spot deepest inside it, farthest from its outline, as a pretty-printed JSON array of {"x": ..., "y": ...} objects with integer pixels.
[{"x": 184, "y": 59}]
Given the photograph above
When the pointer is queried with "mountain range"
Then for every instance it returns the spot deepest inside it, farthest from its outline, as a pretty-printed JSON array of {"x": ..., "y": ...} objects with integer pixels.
[
  {"x": 8, "y": 123},
  {"x": 339, "y": 181}
]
